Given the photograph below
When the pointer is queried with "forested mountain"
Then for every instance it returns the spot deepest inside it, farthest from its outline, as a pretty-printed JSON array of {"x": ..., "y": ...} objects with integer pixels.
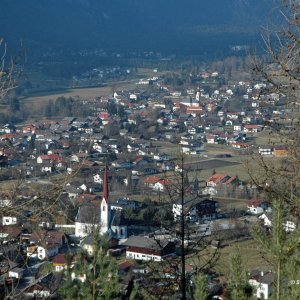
[{"x": 164, "y": 25}]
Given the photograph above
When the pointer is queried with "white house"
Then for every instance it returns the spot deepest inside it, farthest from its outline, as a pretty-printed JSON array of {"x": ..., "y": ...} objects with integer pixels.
[
  {"x": 16, "y": 273},
  {"x": 288, "y": 225},
  {"x": 254, "y": 207},
  {"x": 265, "y": 150},
  {"x": 262, "y": 283},
  {"x": 237, "y": 127},
  {"x": 267, "y": 219},
  {"x": 46, "y": 251},
  {"x": 78, "y": 276},
  {"x": 145, "y": 248},
  {"x": 9, "y": 221}
]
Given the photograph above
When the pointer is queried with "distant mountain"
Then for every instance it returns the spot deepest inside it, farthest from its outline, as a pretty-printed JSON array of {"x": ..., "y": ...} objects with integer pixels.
[{"x": 165, "y": 25}]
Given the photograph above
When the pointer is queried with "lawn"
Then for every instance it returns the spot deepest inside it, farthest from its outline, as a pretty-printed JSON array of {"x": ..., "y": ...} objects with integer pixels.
[{"x": 251, "y": 257}]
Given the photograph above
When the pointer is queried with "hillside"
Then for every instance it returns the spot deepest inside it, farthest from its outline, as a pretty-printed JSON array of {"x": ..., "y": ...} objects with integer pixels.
[{"x": 168, "y": 25}]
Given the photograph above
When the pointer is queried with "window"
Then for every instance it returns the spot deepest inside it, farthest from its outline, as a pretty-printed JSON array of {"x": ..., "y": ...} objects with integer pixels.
[{"x": 103, "y": 208}]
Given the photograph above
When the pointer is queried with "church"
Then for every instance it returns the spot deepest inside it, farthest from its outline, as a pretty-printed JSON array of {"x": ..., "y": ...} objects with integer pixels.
[{"x": 106, "y": 220}]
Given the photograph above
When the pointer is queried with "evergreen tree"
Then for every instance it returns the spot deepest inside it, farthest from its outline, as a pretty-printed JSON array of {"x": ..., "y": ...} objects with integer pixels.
[
  {"x": 200, "y": 287},
  {"x": 238, "y": 284},
  {"x": 99, "y": 273}
]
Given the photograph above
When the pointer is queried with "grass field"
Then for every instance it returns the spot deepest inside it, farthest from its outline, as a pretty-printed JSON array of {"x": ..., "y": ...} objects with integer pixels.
[
  {"x": 85, "y": 93},
  {"x": 251, "y": 256}
]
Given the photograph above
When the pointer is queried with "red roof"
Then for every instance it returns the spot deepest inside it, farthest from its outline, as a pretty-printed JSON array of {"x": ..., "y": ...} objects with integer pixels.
[
  {"x": 125, "y": 265},
  {"x": 103, "y": 115},
  {"x": 152, "y": 179},
  {"x": 255, "y": 202},
  {"x": 8, "y": 136},
  {"x": 59, "y": 259},
  {"x": 53, "y": 157},
  {"x": 216, "y": 178},
  {"x": 251, "y": 126}
]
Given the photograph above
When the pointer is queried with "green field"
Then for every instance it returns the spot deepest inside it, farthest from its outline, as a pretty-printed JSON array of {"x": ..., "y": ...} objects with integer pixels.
[{"x": 251, "y": 256}]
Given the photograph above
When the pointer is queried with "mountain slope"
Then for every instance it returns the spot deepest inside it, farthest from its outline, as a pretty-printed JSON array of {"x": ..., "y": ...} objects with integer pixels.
[{"x": 130, "y": 24}]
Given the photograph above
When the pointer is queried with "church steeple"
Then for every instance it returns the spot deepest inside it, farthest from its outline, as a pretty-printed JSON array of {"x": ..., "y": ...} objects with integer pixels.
[
  {"x": 105, "y": 206},
  {"x": 105, "y": 184}
]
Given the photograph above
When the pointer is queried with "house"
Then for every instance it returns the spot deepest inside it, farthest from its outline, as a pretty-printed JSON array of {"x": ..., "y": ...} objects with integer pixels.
[
  {"x": 237, "y": 127},
  {"x": 211, "y": 139},
  {"x": 195, "y": 209},
  {"x": 55, "y": 158},
  {"x": 265, "y": 150},
  {"x": 16, "y": 273},
  {"x": 9, "y": 220},
  {"x": 60, "y": 262},
  {"x": 38, "y": 291},
  {"x": 280, "y": 151},
  {"x": 145, "y": 248},
  {"x": 88, "y": 243},
  {"x": 219, "y": 178},
  {"x": 47, "y": 250},
  {"x": 255, "y": 206},
  {"x": 157, "y": 184},
  {"x": 266, "y": 218},
  {"x": 10, "y": 233},
  {"x": 289, "y": 224},
  {"x": 240, "y": 145},
  {"x": 252, "y": 128},
  {"x": 262, "y": 283}
]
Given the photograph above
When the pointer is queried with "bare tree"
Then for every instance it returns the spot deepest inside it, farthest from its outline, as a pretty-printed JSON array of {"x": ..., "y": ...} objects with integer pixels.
[
  {"x": 193, "y": 246},
  {"x": 279, "y": 179},
  {"x": 6, "y": 70}
]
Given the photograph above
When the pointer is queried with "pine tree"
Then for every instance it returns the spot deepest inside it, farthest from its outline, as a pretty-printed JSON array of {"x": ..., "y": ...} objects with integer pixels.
[
  {"x": 238, "y": 284},
  {"x": 200, "y": 287},
  {"x": 99, "y": 273}
]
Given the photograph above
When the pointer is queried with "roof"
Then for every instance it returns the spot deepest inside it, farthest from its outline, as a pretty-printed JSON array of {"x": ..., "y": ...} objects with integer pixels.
[
  {"x": 46, "y": 236},
  {"x": 105, "y": 184},
  {"x": 255, "y": 202},
  {"x": 152, "y": 179},
  {"x": 59, "y": 259},
  {"x": 251, "y": 126},
  {"x": 217, "y": 178},
  {"x": 12, "y": 231},
  {"x": 146, "y": 242},
  {"x": 261, "y": 276},
  {"x": 89, "y": 214},
  {"x": 125, "y": 265}
]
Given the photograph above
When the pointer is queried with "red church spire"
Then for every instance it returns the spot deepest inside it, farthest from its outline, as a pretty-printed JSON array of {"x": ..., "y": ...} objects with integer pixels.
[{"x": 105, "y": 184}]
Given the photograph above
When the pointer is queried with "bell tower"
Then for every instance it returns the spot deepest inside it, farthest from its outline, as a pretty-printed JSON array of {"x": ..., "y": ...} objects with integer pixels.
[{"x": 105, "y": 207}]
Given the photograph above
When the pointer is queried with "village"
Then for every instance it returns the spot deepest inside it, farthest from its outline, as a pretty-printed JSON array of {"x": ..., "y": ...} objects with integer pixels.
[{"x": 117, "y": 170}]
